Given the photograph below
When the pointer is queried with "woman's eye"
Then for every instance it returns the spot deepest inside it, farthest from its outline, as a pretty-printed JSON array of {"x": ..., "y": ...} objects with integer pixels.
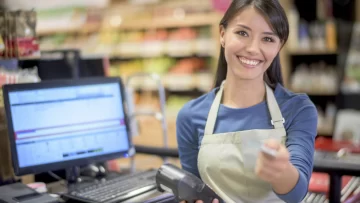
[
  {"x": 268, "y": 39},
  {"x": 242, "y": 33}
]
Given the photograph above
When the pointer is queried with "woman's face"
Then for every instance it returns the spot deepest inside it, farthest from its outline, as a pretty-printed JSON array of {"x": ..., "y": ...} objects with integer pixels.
[{"x": 250, "y": 45}]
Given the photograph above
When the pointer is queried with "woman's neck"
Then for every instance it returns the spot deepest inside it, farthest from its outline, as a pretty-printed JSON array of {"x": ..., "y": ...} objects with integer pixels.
[{"x": 243, "y": 93}]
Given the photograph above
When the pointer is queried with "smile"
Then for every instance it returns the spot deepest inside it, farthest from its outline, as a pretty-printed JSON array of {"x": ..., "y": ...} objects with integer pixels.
[{"x": 248, "y": 61}]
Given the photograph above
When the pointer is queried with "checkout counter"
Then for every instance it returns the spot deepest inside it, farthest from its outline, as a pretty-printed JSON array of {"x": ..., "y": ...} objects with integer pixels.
[
  {"x": 337, "y": 160},
  {"x": 56, "y": 192},
  {"x": 326, "y": 161},
  {"x": 153, "y": 196}
]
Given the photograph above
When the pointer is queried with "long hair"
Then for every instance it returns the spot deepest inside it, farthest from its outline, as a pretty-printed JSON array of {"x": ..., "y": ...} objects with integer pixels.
[{"x": 275, "y": 14}]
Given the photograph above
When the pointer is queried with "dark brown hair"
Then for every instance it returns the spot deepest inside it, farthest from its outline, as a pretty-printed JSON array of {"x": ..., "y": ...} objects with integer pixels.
[{"x": 275, "y": 14}]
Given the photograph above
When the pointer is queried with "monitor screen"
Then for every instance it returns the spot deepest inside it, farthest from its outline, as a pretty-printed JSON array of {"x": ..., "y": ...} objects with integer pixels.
[{"x": 66, "y": 123}]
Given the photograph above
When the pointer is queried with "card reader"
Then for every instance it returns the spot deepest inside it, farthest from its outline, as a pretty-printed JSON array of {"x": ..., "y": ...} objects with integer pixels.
[{"x": 184, "y": 185}]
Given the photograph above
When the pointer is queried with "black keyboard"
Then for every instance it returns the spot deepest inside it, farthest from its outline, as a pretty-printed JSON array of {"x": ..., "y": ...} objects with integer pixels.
[{"x": 115, "y": 189}]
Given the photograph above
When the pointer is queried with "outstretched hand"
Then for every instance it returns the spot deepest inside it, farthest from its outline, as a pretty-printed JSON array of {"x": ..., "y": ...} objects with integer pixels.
[
  {"x": 200, "y": 201},
  {"x": 269, "y": 168}
]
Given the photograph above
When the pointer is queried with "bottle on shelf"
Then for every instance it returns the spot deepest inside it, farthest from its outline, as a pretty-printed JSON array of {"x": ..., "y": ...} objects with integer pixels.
[
  {"x": 293, "y": 17},
  {"x": 316, "y": 78}
]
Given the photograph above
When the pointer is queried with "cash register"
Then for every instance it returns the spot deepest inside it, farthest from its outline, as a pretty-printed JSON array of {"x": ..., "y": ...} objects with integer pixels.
[{"x": 65, "y": 124}]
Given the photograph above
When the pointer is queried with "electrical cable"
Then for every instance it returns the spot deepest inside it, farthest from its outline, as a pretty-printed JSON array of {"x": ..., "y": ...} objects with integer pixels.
[{"x": 62, "y": 181}]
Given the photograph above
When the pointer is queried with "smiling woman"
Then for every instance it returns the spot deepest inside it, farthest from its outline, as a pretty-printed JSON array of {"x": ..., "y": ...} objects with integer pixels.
[
  {"x": 225, "y": 136},
  {"x": 251, "y": 45},
  {"x": 249, "y": 27}
]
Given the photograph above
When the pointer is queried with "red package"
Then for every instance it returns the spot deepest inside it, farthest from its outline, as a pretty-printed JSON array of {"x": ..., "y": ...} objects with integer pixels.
[
  {"x": 319, "y": 182},
  {"x": 18, "y": 34},
  {"x": 328, "y": 144}
]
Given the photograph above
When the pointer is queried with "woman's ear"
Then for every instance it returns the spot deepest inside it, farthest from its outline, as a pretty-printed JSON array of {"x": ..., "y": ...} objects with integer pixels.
[
  {"x": 281, "y": 45},
  {"x": 222, "y": 36}
]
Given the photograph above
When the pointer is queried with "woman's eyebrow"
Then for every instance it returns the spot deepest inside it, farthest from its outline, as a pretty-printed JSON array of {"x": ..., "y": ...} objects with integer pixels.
[{"x": 247, "y": 28}]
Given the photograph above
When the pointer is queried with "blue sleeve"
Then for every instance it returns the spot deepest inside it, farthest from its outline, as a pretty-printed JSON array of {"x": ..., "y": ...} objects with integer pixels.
[
  {"x": 300, "y": 144},
  {"x": 187, "y": 141}
]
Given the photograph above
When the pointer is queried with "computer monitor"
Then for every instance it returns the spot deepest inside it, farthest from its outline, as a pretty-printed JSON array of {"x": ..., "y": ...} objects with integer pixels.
[{"x": 60, "y": 124}]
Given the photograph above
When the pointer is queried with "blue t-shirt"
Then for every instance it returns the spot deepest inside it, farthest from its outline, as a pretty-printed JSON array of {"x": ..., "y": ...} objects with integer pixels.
[{"x": 300, "y": 123}]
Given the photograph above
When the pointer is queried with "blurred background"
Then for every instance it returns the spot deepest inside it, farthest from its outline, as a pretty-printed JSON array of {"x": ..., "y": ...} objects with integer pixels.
[{"x": 179, "y": 40}]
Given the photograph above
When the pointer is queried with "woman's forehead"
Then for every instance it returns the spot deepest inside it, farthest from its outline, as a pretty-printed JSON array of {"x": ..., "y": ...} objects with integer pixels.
[{"x": 252, "y": 18}]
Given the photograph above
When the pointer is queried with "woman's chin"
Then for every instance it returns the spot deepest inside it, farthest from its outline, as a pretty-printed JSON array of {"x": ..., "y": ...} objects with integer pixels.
[{"x": 248, "y": 75}]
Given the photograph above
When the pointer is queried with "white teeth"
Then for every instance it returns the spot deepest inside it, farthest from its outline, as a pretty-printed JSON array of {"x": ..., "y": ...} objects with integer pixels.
[{"x": 249, "y": 62}]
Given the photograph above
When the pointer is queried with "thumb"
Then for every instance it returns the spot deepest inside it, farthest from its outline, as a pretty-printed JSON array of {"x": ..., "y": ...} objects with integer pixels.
[{"x": 273, "y": 144}]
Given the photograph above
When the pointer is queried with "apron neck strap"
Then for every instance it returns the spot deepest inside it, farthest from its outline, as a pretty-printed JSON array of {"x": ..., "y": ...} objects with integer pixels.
[
  {"x": 277, "y": 120},
  {"x": 211, "y": 119},
  {"x": 276, "y": 117}
]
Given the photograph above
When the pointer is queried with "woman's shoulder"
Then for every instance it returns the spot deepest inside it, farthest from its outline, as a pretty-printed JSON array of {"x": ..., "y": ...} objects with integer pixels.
[
  {"x": 297, "y": 107},
  {"x": 287, "y": 97},
  {"x": 199, "y": 105}
]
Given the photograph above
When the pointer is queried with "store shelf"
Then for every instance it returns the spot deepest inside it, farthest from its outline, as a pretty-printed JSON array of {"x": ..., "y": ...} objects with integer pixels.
[
  {"x": 87, "y": 28},
  {"x": 117, "y": 57},
  {"x": 170, "y": 22},
  {"x": 136, "y": 24},
  {"x": 178, "y": 82},
  {"x": 315, "y": 93},
  {"x": 311, "y": 52}
]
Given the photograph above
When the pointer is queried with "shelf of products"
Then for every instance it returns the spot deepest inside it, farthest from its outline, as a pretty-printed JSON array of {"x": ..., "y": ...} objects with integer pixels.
[
  {"x": 125, "y": 15},
  {"x": 315, "y": 79},
  {"x": 177, "y": 75},
  {"x": 182, "y": 20},
  {"x": 312, "y": 55},
  {"x": 351, "y": 83},
  {"x": 311, "y": 52},
  {"x": 178, "y": 42}
]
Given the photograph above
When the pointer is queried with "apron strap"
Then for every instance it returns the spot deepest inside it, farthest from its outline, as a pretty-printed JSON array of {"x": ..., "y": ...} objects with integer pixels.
[
  {"x": 211, "y": 119},
  {"x": 277, "y": 120}
]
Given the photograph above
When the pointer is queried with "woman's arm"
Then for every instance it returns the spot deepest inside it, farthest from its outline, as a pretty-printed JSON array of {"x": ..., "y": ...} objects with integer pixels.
[
  {"x": 293, "y": 185},
  {"x": 187, "y": 140}
]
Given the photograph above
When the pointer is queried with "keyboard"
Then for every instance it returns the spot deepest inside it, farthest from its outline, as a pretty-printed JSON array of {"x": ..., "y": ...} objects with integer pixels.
[{"x": 115, "y": 189}]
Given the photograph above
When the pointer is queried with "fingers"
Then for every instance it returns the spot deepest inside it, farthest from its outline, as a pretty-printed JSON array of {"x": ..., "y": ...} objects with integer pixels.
[
  {"x": 270, "y": 159},
  {"x": 282, "y": 152},
  {"x": 200, "y": 201},
  {"x": 273, "y": 144}
]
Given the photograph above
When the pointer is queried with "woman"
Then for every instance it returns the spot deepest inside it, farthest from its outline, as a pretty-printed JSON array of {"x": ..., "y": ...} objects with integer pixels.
[{"x": 220, "y": 133}]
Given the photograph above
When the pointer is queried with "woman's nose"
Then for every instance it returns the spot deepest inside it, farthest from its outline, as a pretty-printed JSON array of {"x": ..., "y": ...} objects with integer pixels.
[{"x": 253, "y": 47}]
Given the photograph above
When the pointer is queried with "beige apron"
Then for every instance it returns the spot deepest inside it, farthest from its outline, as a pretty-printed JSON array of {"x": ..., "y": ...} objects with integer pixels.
[{"x": 226, "y": 161}]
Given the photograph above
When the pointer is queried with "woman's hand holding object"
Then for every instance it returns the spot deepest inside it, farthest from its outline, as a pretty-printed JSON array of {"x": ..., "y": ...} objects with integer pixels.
[
  {"x": 270, "y": 166},
  {"x": 199, "y": 201}
]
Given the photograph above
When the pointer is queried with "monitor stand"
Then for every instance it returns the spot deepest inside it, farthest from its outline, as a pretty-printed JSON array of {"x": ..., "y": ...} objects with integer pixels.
[{"x": 73, "y": 175}]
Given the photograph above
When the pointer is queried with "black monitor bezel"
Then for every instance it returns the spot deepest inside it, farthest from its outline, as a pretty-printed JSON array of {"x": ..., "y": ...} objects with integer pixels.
[{"x": 71, "y": 163}]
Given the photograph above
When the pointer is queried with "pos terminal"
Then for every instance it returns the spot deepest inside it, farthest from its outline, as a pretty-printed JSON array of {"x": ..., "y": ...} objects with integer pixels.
[
  {"x": 184, "y": 185},
  {"x": 66, "y": 124}
]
